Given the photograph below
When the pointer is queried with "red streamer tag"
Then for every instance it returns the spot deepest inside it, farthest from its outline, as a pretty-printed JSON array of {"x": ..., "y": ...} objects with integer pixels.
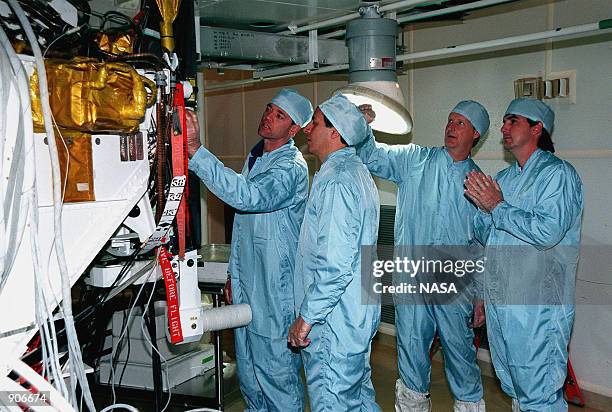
[
  {"x": 179, "y": 162},
  {"x": 174, "y": 317}
]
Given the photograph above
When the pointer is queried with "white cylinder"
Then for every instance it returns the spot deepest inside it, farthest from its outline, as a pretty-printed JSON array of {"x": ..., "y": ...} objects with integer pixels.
[{"x": 226, "y": 317}]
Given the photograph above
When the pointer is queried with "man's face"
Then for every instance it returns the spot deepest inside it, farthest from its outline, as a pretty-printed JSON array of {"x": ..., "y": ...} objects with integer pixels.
[
  {"x": 517, "y": 133},
  {"x": 275, "y": 123},
  {"x": 459, "y": 133},
  {"x": 318, "y": 135}
]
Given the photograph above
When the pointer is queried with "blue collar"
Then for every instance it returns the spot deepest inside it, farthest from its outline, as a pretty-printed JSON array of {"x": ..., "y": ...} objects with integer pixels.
[
  {"x": 451, "y": 160},
  {"x": 345, "y": 151},
  {"x": 532, "y": 159}
]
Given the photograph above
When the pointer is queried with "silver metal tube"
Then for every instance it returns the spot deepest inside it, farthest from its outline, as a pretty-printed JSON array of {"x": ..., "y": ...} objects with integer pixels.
[
  {"x": 449, "y": 10},
  {"x": 404, "y": 4},
  {"x": 333, "y": 34},
  {"x": 525, "y": 38}
]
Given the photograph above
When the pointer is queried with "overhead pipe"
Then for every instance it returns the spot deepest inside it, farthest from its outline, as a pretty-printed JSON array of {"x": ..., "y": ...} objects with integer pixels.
[
  {"x": 405, "y": 4},
  {"x": 449, "y": 10},
  {"x": 352, "y": 16},
  {"x": 429, "y": 14},
  {"x": 512, "y": 40},
  {"x": 446, "y": 51}
]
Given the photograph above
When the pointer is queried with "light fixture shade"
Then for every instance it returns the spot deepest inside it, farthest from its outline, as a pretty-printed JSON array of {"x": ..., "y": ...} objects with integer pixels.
[
  {"x": 387, "y": 101},
  {"x": 372, "y": 76}
]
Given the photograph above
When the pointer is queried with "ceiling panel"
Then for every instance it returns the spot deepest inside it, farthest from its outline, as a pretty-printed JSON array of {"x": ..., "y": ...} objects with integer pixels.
[
  {"x": 280, "y": 14},
  {"x": 243, "y": 13}
]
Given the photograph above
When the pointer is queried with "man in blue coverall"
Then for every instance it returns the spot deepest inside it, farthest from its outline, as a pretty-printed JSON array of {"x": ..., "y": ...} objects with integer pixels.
[
  {"x": 269, "y": 197},
  {"x": 432, "y": 210},
  {"x": 335, "y": 326},
  {"x": 529, "y": 220}
]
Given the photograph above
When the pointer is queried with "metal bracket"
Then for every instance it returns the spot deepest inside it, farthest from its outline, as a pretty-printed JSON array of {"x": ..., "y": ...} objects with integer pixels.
[{"x": 370, "y": 10}]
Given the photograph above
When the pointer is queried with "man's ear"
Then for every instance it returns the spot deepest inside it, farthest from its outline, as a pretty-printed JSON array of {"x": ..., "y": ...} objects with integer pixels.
[
  {"x": 476, "y": 135},
  {"x": 335, "y": 135},
  {"x": 537, "y": 129},
  {"x": 293, "y": 130}
]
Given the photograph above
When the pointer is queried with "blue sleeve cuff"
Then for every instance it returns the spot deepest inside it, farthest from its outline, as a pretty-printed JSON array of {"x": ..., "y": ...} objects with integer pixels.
[
  {"x": 197, "y": 158},
  {"x": 482, "y": 213},
  {"x": 308, "y": 320},
  {"x": 498, "y": 213}
]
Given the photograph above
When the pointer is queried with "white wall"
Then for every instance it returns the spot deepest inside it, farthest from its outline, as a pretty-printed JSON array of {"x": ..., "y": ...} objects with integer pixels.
[
  {"x": 231, "y": 120},
  {"x": 582, "y": 133}
]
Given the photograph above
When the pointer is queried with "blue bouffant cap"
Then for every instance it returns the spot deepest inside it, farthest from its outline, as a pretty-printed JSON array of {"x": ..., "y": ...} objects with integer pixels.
[
  {"x": 346, "y": 118},
  {"x": 475, "y": 113},
  {"x": 533, "y": 109},
  {"x": 297, "y": 106}
]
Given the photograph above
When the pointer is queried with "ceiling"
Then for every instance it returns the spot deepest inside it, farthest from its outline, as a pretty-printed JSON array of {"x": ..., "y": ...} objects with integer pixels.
[
  {"x": 278, "y": 15},
  {"x": 275, "y": 15}
]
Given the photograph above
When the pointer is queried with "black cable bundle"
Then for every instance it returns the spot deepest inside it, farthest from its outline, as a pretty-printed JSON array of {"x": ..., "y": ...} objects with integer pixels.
[{"x": 49, "y": 27}]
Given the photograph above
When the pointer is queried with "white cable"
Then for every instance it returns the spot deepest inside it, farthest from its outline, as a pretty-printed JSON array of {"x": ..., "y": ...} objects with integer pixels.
[
  {"x": 43, "y": 312},
  {"x": 44, "y": 318},
  {"x": 119, "y": 405},
  {"x": 13, "y": 202},
  {"x": 161, "y": 357},
  {"x": 153, "y": 348},
  {"x": 121, "y": 335},
  {"x": 5, "y": 80},
  {"x": 64, "y": 185},
  {"x": 75, "y": 360},
  {"x": 112, "y": 369},
  {"x": 24, "y": 189}
]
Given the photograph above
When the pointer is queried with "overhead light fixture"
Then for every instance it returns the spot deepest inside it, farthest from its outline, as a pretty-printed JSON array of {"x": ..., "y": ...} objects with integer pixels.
[{"x": 372, "y": 77}]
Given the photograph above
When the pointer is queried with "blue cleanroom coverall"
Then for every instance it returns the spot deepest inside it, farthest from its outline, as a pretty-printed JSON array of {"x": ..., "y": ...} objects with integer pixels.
[
  {"x": 342, "y": 215},
  {"x": 431, "y": 210},
  {"x": 270, "y": 200},
  {"x": 532, "y": 240}
]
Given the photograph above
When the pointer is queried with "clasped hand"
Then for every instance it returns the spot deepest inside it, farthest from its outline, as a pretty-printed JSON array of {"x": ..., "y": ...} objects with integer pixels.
[{"x": 483, "y": 191}]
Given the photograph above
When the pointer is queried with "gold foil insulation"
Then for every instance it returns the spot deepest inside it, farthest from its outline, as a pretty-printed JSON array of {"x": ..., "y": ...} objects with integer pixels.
[
  {"x": 91, "y": 96},
  {"x": 168, "y": 9},
  {"x": 76, "y": 165},
  {"x": 120, "y": 43}
]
